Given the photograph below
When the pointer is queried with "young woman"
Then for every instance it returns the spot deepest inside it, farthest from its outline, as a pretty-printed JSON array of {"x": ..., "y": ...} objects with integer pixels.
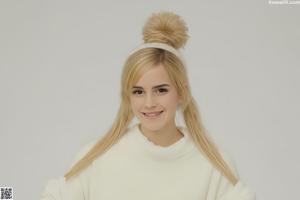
[{"x": 153, "y": 159}]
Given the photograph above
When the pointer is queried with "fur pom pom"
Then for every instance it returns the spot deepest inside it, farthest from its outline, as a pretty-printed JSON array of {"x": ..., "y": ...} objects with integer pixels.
[{"x": 166, "y": 27}]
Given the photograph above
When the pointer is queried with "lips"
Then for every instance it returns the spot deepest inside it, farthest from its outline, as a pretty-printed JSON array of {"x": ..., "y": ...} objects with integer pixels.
[{"x": 152, "y": 114}]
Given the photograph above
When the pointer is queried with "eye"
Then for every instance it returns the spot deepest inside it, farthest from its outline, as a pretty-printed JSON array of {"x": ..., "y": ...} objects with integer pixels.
[
  {"x": 162, "y": 90},
  {"x": 137, "y": 92}
]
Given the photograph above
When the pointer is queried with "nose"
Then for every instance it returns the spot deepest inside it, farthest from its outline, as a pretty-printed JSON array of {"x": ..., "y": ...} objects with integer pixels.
[{"x": 150, "y": 101}]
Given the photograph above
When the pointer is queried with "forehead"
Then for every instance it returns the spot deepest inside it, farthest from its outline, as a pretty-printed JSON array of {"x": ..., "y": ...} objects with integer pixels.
[{"x": 154, "y": 76}]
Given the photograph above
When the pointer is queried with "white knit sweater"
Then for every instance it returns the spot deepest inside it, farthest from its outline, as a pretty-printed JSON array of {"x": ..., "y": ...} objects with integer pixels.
[{"x": 137, "y": 169}]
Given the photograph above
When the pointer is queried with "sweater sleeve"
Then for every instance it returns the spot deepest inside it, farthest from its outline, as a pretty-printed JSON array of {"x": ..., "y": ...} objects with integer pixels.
[
  {"x": 73, "y": 189},
  {"x": 221, "y": 189}
]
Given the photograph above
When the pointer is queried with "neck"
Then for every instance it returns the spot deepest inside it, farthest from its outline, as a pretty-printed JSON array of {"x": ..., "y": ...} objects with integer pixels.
[{"x": 163, "y": 137}]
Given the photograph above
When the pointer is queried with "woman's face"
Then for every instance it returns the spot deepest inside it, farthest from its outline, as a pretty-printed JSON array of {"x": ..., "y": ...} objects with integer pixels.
[{"x": 154, "y": 99}]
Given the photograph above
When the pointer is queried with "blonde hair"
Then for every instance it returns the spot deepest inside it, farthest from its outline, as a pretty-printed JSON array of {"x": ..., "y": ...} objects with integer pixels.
[{"x": 168, "y": 28}]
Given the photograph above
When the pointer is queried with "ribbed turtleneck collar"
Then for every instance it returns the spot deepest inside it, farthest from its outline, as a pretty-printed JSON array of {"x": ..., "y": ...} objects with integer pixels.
[{"x": 173, "y": 151}]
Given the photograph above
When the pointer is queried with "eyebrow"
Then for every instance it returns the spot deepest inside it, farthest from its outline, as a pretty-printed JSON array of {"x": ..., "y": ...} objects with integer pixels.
[{"x": 157, "y": 86}]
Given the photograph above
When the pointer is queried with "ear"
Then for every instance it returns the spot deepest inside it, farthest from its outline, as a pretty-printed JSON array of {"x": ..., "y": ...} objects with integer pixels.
[
  {"x": 180, "y": 101},
  {"x": 186, "y": 85}
]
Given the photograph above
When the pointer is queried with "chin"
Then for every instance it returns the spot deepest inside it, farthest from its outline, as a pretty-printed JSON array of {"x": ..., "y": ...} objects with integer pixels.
[{"x": 153, "y": 126}]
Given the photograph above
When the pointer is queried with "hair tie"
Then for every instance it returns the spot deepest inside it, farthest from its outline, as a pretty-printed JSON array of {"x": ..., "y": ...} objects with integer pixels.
[{"x": 159, "y": 46}]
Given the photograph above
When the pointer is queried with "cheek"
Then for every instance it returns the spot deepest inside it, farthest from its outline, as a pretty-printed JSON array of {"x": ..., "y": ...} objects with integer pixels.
[
  {"x": 171, "y": 101},
  {"x": 135, "y": 104}
]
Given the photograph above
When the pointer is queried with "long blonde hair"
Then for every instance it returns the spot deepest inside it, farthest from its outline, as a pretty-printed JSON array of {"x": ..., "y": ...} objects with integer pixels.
[{"x": 168, "y": 28}]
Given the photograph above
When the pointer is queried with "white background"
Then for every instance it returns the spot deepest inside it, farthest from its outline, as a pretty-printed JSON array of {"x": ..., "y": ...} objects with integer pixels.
[{"x": 60, "y": 65}]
